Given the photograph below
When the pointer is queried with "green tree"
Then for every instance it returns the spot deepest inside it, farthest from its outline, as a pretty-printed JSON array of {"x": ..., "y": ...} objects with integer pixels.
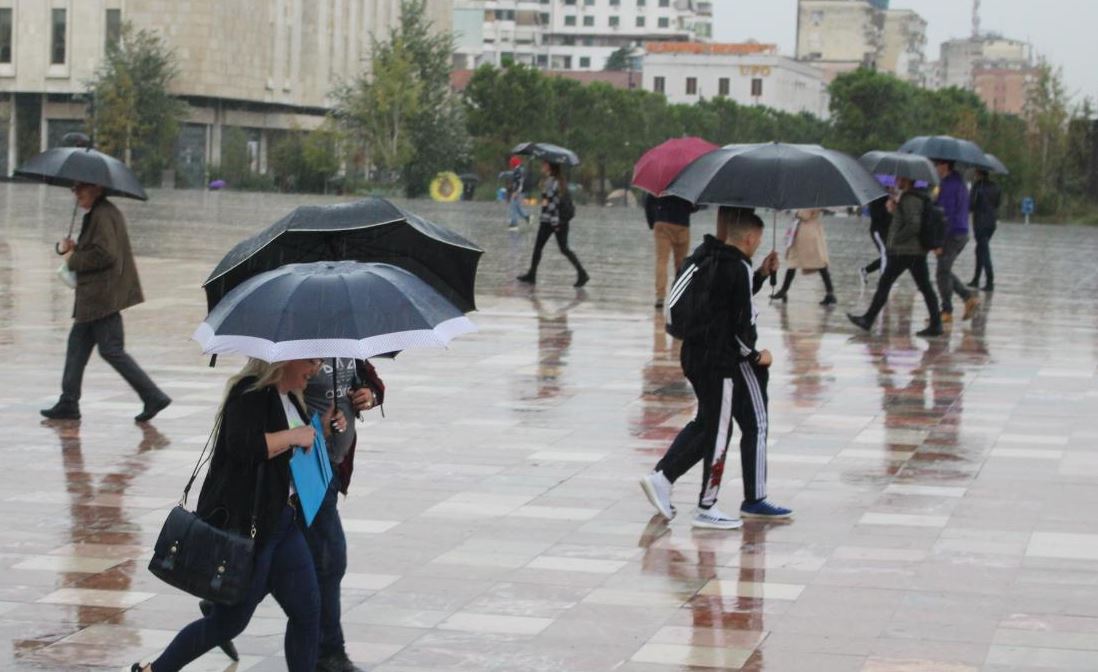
[
  {"x": 1047, "y": 111},
  {"x": 132, "y": 113},
  {"x": 621, "y": 59},
  {"x": 236, "y": 161},
  {"x": 304, "y": 160}
]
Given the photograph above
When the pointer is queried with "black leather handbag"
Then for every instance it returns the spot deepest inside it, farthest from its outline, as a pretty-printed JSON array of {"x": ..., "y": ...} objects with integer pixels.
[{"x": 201, "y": 559}]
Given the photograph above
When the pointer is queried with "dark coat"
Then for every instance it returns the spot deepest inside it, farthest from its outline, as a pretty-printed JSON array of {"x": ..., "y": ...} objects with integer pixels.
[
  {"x": 106, "y": 275},
  {"x": 985, "y": 200},
  {"x": 228, "y": 493}
]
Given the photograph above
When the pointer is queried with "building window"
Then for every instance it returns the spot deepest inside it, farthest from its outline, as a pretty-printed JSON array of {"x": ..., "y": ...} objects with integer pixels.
[
  {"x": 567, "y": 62},
  {"x": 658, "y": 84},
  {"x": 665, "y": 3},
  {"x": 114, "y": 27},
  {"x": 569, "y": 2},
  {"x": 615, "y": 3},
  {"x": 664, "y": 22},
  {"x": 589, "y": 21},
  {"x": 543, "y": 18},
  {"x": 585, "y": 62},
  {"x": 691, "y": 86},
  {"x": 589, "y": 3},
  {"x": 5, "y": 34},
  {"x": 569, "y": 20},
  {"x": 723, "y": 87},
  {"x": 642, "y": 3},
  {"x": 57, "y": 43},
  {"x": 615, "y": 21},
  {"x": 640, "y": 22},
  {"x": 756, "y": 87}
]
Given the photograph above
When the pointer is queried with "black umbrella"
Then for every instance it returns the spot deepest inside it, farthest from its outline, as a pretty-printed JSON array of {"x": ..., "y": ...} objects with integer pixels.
[
  {"x": 995, "y": 165},
  {"x": 370, "y": 230},
  {"x": 547, "y": 152},
  {"x": 66, "y": 166},
  {"x": 947, "y": 148},
  {"x": 330, "y": 309},
  {"x": 899, "y": 164}
]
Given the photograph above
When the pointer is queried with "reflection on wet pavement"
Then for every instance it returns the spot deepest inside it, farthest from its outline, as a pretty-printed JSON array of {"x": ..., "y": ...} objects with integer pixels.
[{"x": 947, "y": 508}]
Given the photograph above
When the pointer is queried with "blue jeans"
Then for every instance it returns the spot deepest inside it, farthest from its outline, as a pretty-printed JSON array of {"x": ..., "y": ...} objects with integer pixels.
[
  {"x": 328, "y": 544},
  {"x": 283, "y": 568},
  {"x": 514, "y": 209}
]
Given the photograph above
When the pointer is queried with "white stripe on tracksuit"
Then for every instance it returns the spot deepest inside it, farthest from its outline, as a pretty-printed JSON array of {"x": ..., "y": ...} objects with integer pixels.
[
  {"x": 882, "y": 249},
  {"x": 761, "y": 425},
  {"x": 720, "y": 447}
]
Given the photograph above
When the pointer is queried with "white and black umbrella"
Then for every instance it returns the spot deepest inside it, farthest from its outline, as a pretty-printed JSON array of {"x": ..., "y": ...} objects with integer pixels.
[
  {"x": 899, "y": 164},
  {"x": 330, "y": 309}
]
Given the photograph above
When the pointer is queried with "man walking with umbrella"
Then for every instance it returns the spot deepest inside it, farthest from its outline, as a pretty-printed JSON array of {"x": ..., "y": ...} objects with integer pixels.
[
  {"x": 953, "y": 199},
  {"x": 107, "y": 284},
  {"x": 985, "y": 198}
]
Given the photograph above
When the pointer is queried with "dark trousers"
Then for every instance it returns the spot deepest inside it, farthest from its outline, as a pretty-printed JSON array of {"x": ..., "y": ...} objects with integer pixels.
[
  {"x": 881, "y": 261},
  {"x": 894, "y": 268},
  {"x": 825, "y": 275},
  {"x": 983, "y": 236},
  {"x": 948, "y": 282},
  {"x": 545, "y": 231},
  {"x": 328, "y": 544},
  {"x": 106, "y": 333},
  {"x": 742, "y": 397},
  {"x": 283, "y": 568}
]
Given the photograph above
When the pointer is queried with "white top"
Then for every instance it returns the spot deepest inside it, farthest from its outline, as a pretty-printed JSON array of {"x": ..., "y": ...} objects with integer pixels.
[{"x": 293, "y": 420}]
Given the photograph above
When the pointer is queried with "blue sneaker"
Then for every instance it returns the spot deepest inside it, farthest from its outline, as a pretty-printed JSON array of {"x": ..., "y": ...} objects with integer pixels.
[{"x": 765, "y": 510}]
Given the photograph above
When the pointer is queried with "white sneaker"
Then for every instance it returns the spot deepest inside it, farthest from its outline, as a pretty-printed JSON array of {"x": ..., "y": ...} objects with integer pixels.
[
  {"x": 658, "y": 490},
  {"x": 713, "y": 519}
]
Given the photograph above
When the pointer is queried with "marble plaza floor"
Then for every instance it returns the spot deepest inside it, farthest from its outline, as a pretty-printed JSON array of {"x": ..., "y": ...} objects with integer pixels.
[{"x": 946, "y": 491}]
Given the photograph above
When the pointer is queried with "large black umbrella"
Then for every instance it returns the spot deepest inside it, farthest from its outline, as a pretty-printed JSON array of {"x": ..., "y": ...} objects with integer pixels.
[
  {"x": 899, "y": 164},
  {"x": 994, "y": 165},
  {"x": 547, "y": 152},
  {"x": 66, "y": 166},
  {"x": 370, "y": 230},
  {"x": 330, "y": 309},
  {"x": 947, "y": 148}
]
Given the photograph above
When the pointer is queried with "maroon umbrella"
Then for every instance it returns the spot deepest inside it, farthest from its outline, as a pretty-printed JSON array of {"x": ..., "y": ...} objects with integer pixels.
[{"x": 663, "y": 163}]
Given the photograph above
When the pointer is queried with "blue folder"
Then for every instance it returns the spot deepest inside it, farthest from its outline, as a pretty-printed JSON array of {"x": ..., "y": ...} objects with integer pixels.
[{"x": 312, "y": 473}]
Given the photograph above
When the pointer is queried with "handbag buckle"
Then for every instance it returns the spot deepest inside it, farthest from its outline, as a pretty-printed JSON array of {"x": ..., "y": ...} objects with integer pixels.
[{"x": 253, "y": 529}]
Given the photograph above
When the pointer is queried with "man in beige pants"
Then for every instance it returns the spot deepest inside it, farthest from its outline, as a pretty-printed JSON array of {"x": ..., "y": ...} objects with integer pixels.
[{"x": 669, "y": 219}]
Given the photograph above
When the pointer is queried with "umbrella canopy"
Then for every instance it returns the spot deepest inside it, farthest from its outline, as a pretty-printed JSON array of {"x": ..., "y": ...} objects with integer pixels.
[
  {"x": 995, "y": 165},
  {"x": 899, "y": 164},
  {"x": 66, "y": 166},
  {"x": 330, "y": 309},
  {"x": 947, "y": 148},
  {"x": 662, "y": 164},
  {"x": 547, "y": 152},
  {"x": 776, "y": 176},
  {"x": 370, "y": 230}
]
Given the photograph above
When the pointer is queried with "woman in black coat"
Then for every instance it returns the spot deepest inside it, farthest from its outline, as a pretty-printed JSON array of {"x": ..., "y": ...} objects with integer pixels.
[{"x": 263, "y": 417}]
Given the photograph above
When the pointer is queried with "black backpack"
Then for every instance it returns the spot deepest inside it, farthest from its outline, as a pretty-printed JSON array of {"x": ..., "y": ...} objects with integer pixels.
[
  {"x": 932, "y": 227},
  {"x": 687, "y": 311},
  {"x": 567, "y": 209}
]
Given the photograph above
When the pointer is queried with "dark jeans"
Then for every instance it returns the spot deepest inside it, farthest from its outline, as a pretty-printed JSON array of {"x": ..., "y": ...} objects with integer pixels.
[
  {"x": 561, "y": 233},
  {"x": 329, "y": 548},
  {"x": 983, "y": 253},
  {"x": 106, "y": 333},
  {"x": 948, "y": 282},
  {"x": 283, "y": 568},
  {"x": 894, "y": 268}
]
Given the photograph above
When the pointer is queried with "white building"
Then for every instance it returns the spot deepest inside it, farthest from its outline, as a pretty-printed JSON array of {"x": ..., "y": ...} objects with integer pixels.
[
  {"x": 749, "y": 74},
  {"x": 903, "y": 47},
  {"x": 570, "y": 34},
  {"x": 961, "y": 57}
]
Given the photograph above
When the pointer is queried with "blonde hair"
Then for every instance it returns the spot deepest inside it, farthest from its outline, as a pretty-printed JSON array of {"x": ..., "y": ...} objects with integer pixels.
[{"x": 265, "y": 373}]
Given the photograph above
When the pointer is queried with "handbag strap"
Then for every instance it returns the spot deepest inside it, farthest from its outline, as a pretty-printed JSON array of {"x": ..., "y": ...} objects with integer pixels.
[
  {"x": 203, "y": 459},
  {"x": 258, "y": 490}
]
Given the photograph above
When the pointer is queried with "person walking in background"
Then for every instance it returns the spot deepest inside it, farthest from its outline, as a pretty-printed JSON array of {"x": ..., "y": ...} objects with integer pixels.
[
  {"x": 729, "y": 376},
  {"x": 106, "y": 284},
  {"x": 905, "y": 253},
  {"x": 669, "y": 219},
  {"x": 516, "y": 189},
  {"x": 879, "y": 220},
  {"x": 557, "y": 210},
  {"x": 806, "y": 250},
  {"x": 953, "y": 199},
  {"x": 985, "y": 199}
]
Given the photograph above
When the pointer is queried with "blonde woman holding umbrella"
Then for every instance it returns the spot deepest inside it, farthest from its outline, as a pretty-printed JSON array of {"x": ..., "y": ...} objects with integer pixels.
[{"x": 806, "y": 250}]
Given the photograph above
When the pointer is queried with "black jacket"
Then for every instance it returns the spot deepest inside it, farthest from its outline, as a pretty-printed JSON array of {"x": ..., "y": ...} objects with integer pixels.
[
  {"x": 731, "y": 336},
  {"x": 984, "y": 203},
  {"x": 670, "y": 209},
  {"x": 228, "y": 492},
  {"x": 880, "y": 218}
]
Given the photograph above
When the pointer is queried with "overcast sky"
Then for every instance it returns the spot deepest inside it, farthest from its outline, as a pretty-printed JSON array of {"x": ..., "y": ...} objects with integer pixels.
[{"x": 1061, "y": 30}]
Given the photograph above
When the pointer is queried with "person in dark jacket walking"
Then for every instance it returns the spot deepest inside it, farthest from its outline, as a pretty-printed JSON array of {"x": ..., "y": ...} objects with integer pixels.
[
  {"x": 249, "y": 484},
  {"x": 953, "y": 199},
  {"x": 553, "y": 194},
  {"x": 106, "y": 284},
  {"x": 729, "y": 376},
  {"x": 516, "y": 191},
  {"x": 905, "y": 253},
  {"x": 985, "y": 199},
  {"x": 669, "y": 219},
  {"x": 879, "y": 220}
]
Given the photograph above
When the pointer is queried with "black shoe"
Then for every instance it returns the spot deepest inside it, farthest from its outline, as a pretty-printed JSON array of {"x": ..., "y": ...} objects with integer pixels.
[
  {"x": 829, "y": 300},
  {"x": 136, "y": 667},
  {"x": 780, "y": 296},
  {"x": 933, "y": 329},
  {"x": 975, "y": 284},
  {"x": 582, "y": 279},
  {"x": 336, "y": 662},
  {"x": 528, "y": 278},
  {"x": 228, "y": 647},
  {"x": 61, "y": 411},
  {"x": 860, "y": 321},
  {"x": 989, "y": 287},
  {"x": 152, "y": 408}
]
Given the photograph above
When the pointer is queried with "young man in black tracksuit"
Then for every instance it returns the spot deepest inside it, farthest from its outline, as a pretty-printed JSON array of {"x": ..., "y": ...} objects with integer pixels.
[{"x": 729, "y": 376}]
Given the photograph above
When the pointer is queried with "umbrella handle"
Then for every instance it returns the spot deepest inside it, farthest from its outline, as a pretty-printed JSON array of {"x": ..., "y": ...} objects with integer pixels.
[
  {"x": 774, "y": 247},
  {"x": 72, "y": 225}
]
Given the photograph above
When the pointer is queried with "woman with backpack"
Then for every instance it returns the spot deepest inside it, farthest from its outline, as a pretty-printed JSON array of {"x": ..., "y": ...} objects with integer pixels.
[
  {"x": 557, "y": 211},
  {"x": 906, "y": 252}
]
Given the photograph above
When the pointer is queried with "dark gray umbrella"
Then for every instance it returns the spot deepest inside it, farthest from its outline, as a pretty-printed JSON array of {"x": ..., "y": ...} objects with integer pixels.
[
  {"x": 995, "y": 165},
  {"x": 947, "y": 148},
  {"x": 370, "y": 230},
  {"x": 66, "y": 166},
  {"x": 776, "y": 176},
  {"x": 899, "y": 164},
  {"x": 547, "y": 152},
  {"x": 330, "y": 309}
]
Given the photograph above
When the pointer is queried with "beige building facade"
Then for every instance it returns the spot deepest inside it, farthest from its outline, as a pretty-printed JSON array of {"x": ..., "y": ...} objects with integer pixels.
[{"x": 260, "y": 65}]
